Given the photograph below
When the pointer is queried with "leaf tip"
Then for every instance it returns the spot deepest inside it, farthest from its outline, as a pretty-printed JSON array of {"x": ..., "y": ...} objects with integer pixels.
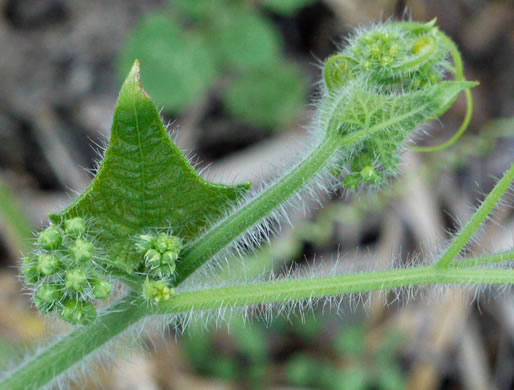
[
  {"x": 134, "y": 69},
  {"x": 134, "y": 77}
]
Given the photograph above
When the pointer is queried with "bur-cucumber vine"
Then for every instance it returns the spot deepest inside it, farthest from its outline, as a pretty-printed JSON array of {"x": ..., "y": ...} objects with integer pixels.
[{"x": 149, "y": 221}]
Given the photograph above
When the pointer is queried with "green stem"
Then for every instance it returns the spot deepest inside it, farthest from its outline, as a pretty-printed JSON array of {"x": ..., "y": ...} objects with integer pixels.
[
  {"x": 249, "y": 214},
  {"x": 484, "y": 260},
  {"x": 286, "y": 291},
  {"x": 477, "y": 219},
  {"x": 71, "y": 349}
]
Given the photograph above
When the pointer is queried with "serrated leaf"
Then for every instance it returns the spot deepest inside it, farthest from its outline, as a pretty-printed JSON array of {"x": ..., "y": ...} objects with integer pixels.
[
  {"x": 178, "y": 67},
  {"x": 270, "y": 96},
  {"x": 286, "y": 7},
  {"x": 144, "y": 181},
  {"x": 242, "y": 39}
]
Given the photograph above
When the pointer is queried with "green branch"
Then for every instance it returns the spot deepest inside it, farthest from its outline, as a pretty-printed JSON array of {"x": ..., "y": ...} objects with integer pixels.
[
  {"x": 477, "y": 219},
  {"x": 286, "y": 291},
  {"x": 69, "y": 350},
  {"x": 76, "y": 346},
  {"x": 484, "y": 260}
]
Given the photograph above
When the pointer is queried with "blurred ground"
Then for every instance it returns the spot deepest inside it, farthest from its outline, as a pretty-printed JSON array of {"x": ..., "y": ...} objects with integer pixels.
[{"x": 59, "y": 87}]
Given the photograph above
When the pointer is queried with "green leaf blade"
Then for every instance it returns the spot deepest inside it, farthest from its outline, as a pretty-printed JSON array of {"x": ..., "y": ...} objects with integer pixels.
[{"x": 145, "y": 182}]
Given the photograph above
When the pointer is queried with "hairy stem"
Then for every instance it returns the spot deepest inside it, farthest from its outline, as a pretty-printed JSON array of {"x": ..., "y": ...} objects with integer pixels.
[
  {"x": 477, "y": 219},
  {"x": 258, "y": 208},
  {"x": 71, "y": 349},
  {"x": 485, "y": 260},
  {"x": 286, "y": 291}
]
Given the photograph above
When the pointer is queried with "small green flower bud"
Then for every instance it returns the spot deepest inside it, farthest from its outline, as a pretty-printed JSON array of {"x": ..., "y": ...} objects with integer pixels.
[
  {"x": 75, "y": 226},
  {"x": 48, "y": 264},
  {"x": 394, "y": 50},
  {"x": 386, "y": 60},
  {"x": 30, "y": 271},
  {"x": 49, "y": 292},
  {"x": 75, "y": 280},
  {"x": 175, "y": 245},
  {"x": 50, "y": 238},
  {"x": 153, "y": 258},
  {"x": 101, "y": 288},
  {"x": 144, "y": 242},
  {"x": 156, "y": 290},
  {"x": 169, "y": 257},
  {"x": 166, "y": 270},
  {"x": 82, "y": 250},
  {"x": 369, "y": 174},
  {"x": 161, "y": 243},
  {"x": 374, "y": 50},
  {"x": 78, "y": 313},
  {"x": 46, "y": 296}
]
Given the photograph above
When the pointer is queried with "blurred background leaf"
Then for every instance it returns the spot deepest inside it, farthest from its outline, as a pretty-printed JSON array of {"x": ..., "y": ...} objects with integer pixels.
[
  {"x": 286, "y": 7},
  {"x": 18, "y": 228},
  {"x": 270, "y": 96},
  {"x": 241, "y": 39},
  {"x": 183, "y": 60},
  {"x": 176, "y": 69}
]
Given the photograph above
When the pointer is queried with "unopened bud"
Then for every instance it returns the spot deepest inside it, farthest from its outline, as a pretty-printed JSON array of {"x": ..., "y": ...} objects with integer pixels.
[
  {"x": 46, "y": 296},
  {"x": 169, "y": 257},
  {"x": 153, "y": 258},
  {"x": 50, "y": 238},
  {"x": 75, "y": 226},
  {"x": 30, "y": 271},
  {"x": 156, "y": 290},
  {"x": 75, "y": 280},
  {"x": 82, "y": 250},
  {"x": 368, "y": 174},
  {"x": 161, "y": 243},
  {"x": 78, "y": 313},
  {"x": 144, "y": 242},
  {"x": 101, "y": 288},
  {"x": 48, "y": 264}
]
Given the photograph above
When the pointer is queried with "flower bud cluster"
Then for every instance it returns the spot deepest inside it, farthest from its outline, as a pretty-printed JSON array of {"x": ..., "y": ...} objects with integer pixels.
[
  {"x": 398, "y": 55},
  {"x": 388, "y": 80},
  {"x": 63, "y": 272},
  {"x": 160, "y": 253}
]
